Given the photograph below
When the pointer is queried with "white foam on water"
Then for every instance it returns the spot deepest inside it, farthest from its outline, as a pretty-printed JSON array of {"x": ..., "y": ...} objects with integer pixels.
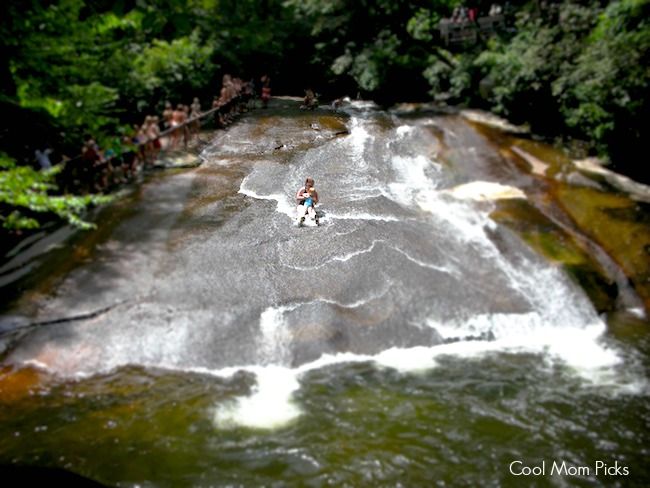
[
  {"x": 411, "y": 181},
  {"x": 348, "y": 256},
  {"x": 590, "y": 361},
  {"x": 359, "y": 137},
  {"x": 412, "y": 360},
  {"x": 343, "y": 258},
  {"x": 275, "y": 336},
  {"x": 576, "y": 346},
  {"x": 284, "y": 205},
  {"x": 360, "y": 105},
  {"x": 269, "y": 406},
  {"x": 466, "y": 221},
  {"x": 278, "y": 319},
  {"x": 404, "y": 130},
  {"x": 560, "y": 324},
  {"x": 361, "y": 216},
  {"x": 358, "y": 303},
  {"x": 443, "y": 269}
]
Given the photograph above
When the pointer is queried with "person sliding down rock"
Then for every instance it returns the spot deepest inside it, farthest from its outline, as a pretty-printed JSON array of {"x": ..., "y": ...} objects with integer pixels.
[{"x": 304, "y": 196}]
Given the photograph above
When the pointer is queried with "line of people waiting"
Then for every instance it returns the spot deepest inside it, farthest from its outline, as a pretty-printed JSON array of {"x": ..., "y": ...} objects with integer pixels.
[
  {"x": 233, "y": 99},
  {"x": 97, "y": 170}
]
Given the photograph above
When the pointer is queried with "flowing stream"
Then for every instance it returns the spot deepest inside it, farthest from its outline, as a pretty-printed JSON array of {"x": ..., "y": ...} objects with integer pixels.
[{"x": 409, "y": 340}]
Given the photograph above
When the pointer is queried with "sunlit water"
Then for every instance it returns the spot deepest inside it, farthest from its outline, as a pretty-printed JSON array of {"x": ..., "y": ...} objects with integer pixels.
[{"x": 407, "y": 341}]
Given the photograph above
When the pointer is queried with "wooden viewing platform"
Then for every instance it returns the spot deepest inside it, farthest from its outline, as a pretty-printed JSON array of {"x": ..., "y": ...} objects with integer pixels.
[{"x": 468, "y": 32}]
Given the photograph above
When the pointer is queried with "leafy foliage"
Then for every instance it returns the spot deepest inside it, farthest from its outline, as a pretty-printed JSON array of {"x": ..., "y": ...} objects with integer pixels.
[
  {"x": 167, "y": 66},
  {"x": 369, "y": 43},
  {"x": 580, "y": 68},
  {"x": 524, "y": 68},
  {"x": 606, "y": 95},
  {"x": 25, "y": 195}
]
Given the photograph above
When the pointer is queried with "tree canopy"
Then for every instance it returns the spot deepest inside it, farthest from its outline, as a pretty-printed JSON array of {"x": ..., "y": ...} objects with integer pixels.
[{"x": 70, "y": 67}]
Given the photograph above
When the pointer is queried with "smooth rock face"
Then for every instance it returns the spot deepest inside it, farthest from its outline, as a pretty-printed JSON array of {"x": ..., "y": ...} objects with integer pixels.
[
  {"x": 483, "y": 190},
  {"x": 429, "y": 329},
  {"x": 208, "y": 270}
]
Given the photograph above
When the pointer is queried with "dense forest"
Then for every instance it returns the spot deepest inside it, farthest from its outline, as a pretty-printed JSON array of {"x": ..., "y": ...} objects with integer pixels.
[{"x": 71, "y": 67}]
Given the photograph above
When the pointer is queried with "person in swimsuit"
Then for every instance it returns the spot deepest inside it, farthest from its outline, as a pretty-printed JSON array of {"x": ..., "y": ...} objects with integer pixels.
[
  {"x": 309, "y": 203},
  {"x": 195, "y": 112},
  {"x": 266, "y": 90},
  {"x": 303, "y": 196}
]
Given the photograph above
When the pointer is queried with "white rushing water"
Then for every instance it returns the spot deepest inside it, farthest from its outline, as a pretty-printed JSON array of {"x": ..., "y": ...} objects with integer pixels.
[
  {"x": 559, "y": 323},
  {"x": 406, "y": 268}
]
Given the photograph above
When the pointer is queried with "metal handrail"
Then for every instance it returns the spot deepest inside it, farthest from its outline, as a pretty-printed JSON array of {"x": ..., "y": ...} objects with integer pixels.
[{"x": 141, "y": 146}]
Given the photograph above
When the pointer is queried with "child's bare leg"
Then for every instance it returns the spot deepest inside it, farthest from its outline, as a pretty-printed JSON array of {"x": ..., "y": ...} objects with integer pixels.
[{"x": 301, "y": 212}]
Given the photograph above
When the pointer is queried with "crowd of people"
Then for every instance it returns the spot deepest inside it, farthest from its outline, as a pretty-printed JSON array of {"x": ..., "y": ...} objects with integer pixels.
[
  {"x": 97, "y": 170},
  {"x": 463, "y": 13},
  {"x": 233, "y": 89}
]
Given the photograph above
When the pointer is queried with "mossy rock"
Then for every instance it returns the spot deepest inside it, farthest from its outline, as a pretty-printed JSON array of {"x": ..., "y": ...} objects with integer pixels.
[
  {"x": 601, "y": 291},
  {"x": 557, "y": 245},
  {"x": 619, "y": 225}
]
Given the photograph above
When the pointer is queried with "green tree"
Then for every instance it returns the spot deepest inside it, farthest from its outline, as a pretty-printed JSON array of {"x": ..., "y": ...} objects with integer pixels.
[
  {"x": 605, "y": 95},
  {"x": 369, "y": 43},
  {"x": 523, "y": 69},
  {"x": 167, "y": 69},
  {"x": 25, "y": 198}
]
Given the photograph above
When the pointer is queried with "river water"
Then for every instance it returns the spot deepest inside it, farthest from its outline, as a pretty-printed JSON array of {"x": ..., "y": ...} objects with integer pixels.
[{"x": 409, "y": 340}]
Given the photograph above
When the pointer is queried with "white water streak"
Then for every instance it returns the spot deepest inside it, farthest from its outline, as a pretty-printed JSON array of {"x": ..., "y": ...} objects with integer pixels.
[
  {"x": 561, "y": 326},
  {"x": 284, "y": 205},
  {"x": 271, "y": 405},
  {"x": 362, "y": 216},
  {"x": 341, "y": 259},
  {"x": 443, "y": 269}
]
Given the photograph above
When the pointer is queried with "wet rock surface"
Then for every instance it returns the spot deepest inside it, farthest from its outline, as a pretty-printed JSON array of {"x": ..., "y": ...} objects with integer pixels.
[{"x": 194, "y": 263}]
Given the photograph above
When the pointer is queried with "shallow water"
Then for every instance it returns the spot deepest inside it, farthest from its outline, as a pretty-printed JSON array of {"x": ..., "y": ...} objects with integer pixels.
[{"x": 410, "y": 340}]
